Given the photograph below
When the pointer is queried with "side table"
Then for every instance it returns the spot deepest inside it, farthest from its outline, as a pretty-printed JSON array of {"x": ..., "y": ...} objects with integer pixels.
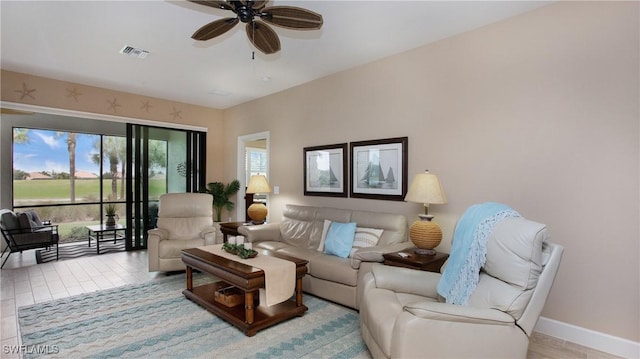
[
  {"x": 231, "y": 229},
  {"x": 431, "y": 263}
]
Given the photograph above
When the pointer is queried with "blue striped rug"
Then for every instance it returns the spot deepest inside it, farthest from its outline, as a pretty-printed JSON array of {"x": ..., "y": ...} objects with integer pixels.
[{"x": 155, "y": 320}]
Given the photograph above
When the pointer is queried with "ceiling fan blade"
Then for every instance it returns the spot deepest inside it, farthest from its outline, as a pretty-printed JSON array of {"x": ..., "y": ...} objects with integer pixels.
[
  {"x": 292, "y": 17},
  {"x": 257, "y": 4},
  {"x": 213, "y": 29},
  {"x": 218, "y": 4},
  {"x": 263, "y": 37}
]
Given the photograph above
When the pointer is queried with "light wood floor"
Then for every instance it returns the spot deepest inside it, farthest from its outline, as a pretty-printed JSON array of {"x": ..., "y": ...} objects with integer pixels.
[{"x": 23, "y": 282}]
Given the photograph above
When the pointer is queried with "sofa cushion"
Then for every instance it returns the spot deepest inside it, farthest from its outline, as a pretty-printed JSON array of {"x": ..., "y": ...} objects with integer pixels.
[
  {"x": 270, "y": 245},
  {"x": 325, "y": 229},
  {"x": 301, "y": 252},
  {"x": 24, "y": 220},
  {"x": 514, "y": 252},
  {"x": 340, "y": 239},
  {"x": 365, "y": 237},
  {"x": 10, "y": 220},
  {"x": 333, "y": 268},
  {"x": 493, "y": 293},
  {"x": 296, "y": 225},
  {"x": 184, "y": 228},
  {"x": 394, "y": 225}
]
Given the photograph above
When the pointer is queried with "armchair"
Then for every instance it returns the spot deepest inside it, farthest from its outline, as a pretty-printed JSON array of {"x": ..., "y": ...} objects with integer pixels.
[
  {"x": 184, "y": 221},
  {"x": 402, "y": 315},
  {"x": 23, "y": 231}
]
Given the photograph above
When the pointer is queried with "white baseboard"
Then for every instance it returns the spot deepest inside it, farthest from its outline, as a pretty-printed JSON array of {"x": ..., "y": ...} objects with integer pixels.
[{"x": 589, "y": 338}]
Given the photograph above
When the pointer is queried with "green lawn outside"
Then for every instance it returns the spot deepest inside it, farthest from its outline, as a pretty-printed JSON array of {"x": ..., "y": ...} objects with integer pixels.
[
  {"x": 60, "y": 191},
  {"x": 71, "y": 219}
]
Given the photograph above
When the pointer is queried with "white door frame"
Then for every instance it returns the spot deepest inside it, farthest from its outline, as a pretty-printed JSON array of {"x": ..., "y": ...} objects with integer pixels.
[{"x": 240, "y": 166}]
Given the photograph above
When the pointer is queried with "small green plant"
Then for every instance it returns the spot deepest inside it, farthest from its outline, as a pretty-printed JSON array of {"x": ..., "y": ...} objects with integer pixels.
[
  {"x": 110, "y": 209},
  {"x": 221, "y": 194}
]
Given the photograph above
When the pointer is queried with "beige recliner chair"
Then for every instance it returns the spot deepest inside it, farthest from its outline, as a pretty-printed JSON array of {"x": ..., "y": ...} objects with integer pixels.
[
  {"x": 184, "y": 221},
  {"x": 402, "y": 315}
]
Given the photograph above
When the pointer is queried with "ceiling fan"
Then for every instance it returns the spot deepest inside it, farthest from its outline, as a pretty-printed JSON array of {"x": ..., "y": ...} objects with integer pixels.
[{"x": 251, "y": 12}]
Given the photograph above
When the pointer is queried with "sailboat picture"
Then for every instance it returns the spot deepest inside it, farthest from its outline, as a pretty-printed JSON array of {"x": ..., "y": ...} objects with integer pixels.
[
  {"x": 325, "y": 168},
  {"x": 373, "y": 175},
  {"x": 379, "y": 169}
]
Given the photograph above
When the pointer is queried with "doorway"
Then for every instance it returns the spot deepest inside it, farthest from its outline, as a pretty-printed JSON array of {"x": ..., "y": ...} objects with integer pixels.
[{"x": 253, "y": 158}]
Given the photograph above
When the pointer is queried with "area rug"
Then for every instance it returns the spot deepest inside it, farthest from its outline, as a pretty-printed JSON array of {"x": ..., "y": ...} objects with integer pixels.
[
  {"x": 77, "y": 249},
  {"x": 154, "y": 319}
]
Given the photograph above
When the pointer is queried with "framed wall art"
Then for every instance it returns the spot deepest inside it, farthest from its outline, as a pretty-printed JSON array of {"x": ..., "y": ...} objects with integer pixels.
[
  {"x": 379, "y": 169},
  {"x": 325, "y": 170}
]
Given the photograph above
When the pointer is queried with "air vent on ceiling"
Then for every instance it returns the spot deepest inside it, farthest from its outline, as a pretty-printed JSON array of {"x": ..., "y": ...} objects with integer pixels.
[{"x": 132, "y": 51}]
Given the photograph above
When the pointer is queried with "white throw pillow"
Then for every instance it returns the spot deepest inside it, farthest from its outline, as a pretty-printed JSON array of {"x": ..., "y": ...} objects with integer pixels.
[
  {"x": 365, "y": 237},
  {"x": 325, "y": 229}
]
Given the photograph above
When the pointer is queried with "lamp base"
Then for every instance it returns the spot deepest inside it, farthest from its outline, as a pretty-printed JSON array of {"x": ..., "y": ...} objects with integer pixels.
[
  {"x": 257, "y": 212},
  {"x": 425, "y": 235},
  {"x": 425, "y": 252}
]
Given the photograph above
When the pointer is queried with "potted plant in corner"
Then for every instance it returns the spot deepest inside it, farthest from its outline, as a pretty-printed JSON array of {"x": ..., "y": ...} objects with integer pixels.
[
  {"x": 221, "y": 194},
  {"x": 110, "y": 212}
]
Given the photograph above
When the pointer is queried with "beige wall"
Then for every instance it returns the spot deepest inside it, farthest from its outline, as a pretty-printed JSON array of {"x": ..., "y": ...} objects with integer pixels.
[
  {"x": 540, "y": 112},
  {"x": 51, "y": 93}
]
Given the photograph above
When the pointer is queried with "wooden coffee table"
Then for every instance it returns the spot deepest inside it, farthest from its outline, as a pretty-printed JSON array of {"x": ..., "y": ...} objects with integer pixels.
[{"x": 249, "y": 279}]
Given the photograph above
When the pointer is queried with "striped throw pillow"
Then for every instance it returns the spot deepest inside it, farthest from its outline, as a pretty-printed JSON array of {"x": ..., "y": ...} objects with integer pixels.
[{"x": 365, "y": 237}]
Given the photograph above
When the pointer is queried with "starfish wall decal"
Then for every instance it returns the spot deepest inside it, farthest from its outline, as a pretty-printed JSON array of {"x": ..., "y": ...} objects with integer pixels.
[
  {"x": 73, "y": 93},
  {"x": 175, "y": 114},
  {"x": 25, "y": 91},
  {"x": 146, "y": 106},
  {"x": 113, "y": 105}
]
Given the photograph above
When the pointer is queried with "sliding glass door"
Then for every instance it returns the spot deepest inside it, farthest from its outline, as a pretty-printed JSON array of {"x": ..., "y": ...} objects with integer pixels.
[{"x": 159, "y": 160}]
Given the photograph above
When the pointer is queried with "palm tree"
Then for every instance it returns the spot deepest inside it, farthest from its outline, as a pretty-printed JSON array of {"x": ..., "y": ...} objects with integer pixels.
[
  {"x": 113, "y": 150},
  {"x": 71, "y": 147},
  {"x": 20, "y": 135}
]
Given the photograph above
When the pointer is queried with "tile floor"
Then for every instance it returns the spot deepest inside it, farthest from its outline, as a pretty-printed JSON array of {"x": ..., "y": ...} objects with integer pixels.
[{"x": 23, "y": 282}]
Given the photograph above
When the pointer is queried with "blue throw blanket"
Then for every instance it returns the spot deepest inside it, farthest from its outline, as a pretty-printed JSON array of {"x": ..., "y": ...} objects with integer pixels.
[{"x": 469, "y": 250}]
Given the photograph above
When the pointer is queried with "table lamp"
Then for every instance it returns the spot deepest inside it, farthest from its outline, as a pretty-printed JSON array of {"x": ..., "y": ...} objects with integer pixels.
[
  {"x": 425, "y": 233},
  {"x": 258, "y": 211}
]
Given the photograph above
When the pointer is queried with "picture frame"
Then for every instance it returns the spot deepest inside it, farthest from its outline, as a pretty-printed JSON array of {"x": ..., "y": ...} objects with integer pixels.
[
  {"x": 379, "y": 169},
  {"x": 325, "y": 170}
]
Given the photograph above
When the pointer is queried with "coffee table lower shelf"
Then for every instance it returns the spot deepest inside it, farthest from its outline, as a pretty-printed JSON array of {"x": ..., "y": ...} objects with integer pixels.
[{"x": 263, "y": 316}]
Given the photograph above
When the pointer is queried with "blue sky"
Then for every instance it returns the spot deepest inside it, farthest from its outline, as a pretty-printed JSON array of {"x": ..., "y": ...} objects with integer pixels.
[{"x": 47, "y": 152}]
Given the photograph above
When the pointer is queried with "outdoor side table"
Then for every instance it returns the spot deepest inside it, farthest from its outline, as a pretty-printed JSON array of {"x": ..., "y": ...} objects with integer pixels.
[{"x": 103, "y": 233}]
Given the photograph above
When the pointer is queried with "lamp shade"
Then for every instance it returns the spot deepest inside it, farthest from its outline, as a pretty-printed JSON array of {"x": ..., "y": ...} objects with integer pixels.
[
  {"x": 425, "y": 188},
  {"x": 258, "y": 184}
]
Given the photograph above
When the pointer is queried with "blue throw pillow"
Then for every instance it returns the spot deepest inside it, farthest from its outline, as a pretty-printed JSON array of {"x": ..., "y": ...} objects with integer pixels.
[{"x": 340, "y": 239}]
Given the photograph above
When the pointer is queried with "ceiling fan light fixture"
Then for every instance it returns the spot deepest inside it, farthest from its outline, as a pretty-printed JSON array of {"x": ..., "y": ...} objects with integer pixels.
[{"x": 249, "y": 12}]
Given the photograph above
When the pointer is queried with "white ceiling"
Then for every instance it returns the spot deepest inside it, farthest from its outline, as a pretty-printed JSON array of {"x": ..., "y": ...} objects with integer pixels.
[{"x": 80, "y": 41}]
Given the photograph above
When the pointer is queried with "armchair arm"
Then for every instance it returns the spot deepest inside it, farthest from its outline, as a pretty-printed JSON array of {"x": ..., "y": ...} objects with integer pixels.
[
  {"x": 374, "y": 254},
  {"x": 153, "y": 247},
  {"x": 158, "y": 234},
  {"x": 405, "y": 280},
  {"x": 263, "y": 232},
  {"x": 459, "y": 313},
  {"x": 209, "y": 235}
]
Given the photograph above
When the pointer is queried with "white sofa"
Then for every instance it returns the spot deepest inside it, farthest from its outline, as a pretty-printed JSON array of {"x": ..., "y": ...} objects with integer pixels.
[
  {"x": 184, "y": 221},
  {"x": 331, "y": 277}
]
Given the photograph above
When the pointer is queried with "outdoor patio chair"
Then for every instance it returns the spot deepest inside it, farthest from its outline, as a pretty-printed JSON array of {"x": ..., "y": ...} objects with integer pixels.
[{"x": 23, "y": 231}]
